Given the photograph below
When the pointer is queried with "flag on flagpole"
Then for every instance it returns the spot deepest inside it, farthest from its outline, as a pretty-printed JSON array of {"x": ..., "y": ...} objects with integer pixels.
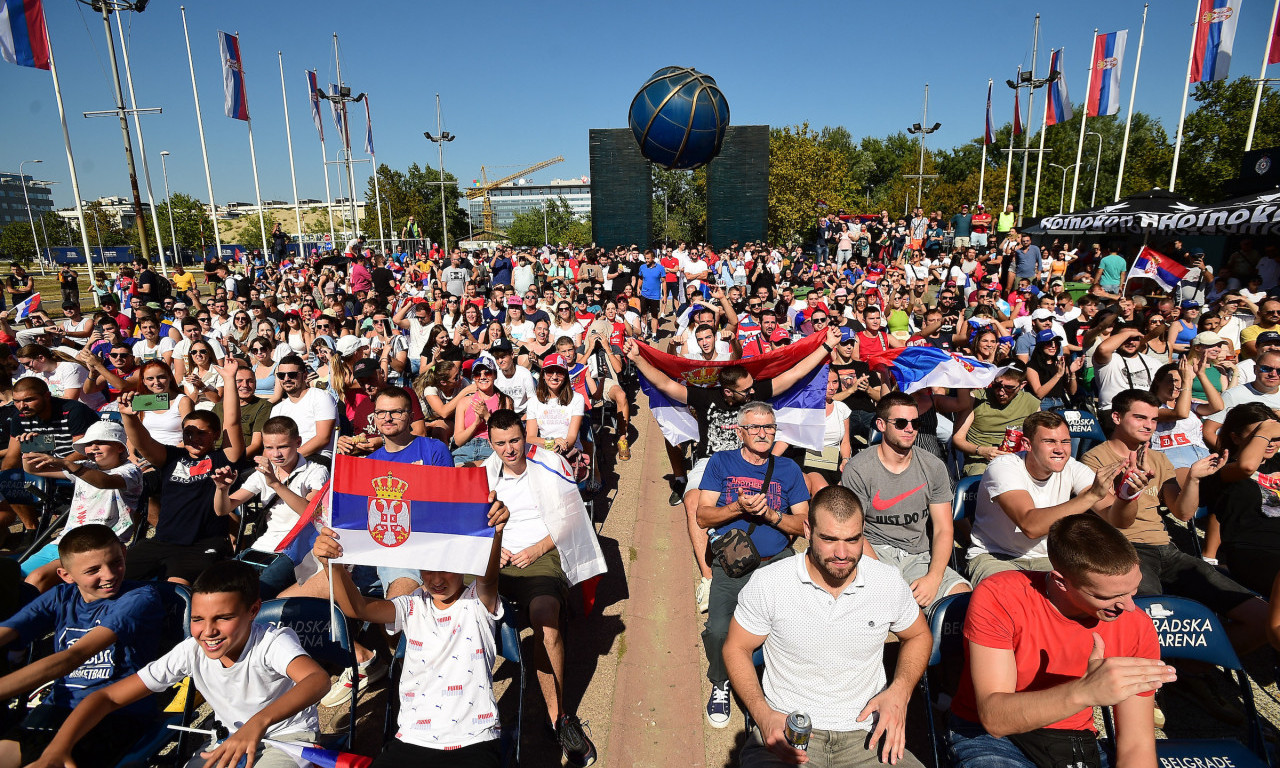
[
  {"x": 315, "y": 102},
  {"x": 989, "y": 137},
  {"x": 27, "y": 307},
  {"x": 1104, "y": 88},
  {"x": 338, "y": 121},
  {"x": 236, "y": 101},
  {"x": 22, "y": 33},
  {"x": 1153, "y": 265},
  {"x": 1215, "y": 36},
  {"x": 918, "y": 367},
  {"x": 368, "y": 129},
  {"x": 1273, "y": 50},
  {"x": 800, "y": 411},
  {"x": 297, "y": 543},
  {"x": 1058, "y": 105},
  {"x": 1017, "y": 115},
  {"x": 411, "y": 516},
  {"x": 319, "y": 756}
]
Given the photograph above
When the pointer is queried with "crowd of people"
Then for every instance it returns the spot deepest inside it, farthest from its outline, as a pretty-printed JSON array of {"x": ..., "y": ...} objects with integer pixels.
[{"x": 524, "y": 361}]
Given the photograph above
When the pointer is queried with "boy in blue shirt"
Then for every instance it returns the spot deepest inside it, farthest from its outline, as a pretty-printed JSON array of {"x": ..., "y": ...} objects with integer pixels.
[{"x": 103, "y": 631}]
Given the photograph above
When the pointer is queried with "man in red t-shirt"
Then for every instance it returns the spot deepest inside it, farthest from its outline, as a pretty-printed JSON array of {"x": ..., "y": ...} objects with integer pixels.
[
  {"x": 1043, "y": 649},
  {"x": 980, "y": 226}
]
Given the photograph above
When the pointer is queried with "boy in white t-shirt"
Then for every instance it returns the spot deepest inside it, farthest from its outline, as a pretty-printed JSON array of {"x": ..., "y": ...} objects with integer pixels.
[
  {"x": 258, "y": 679},
  {"x": 448, "y": 715}
]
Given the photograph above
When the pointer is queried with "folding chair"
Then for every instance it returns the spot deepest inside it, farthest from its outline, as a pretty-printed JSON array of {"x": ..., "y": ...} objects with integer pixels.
[
  {"x": 947, "y": 626},
  {"x": 1189, "y": 630},
  {"x": 311, "y": 619},
  {"x": 963, "y": 508},
  {"x": 176, "y": 600},
  {"x": 1084, "y": 427}
]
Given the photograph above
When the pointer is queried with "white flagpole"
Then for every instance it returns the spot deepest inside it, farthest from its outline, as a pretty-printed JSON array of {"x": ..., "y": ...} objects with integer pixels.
[
  {"x": 253, "y": 159},
  {"x": 71, "y": 163},
  {"x": 377, "y": 196},
  {"x": 982, "y": 169},
  {"x": 1186, "y": 91},
  {"x": 288, "y": 135},
  {"x": 1133, "y": 91},
  {"x": 142, "y": 150},
  {"x": 204, "y": 150},
  {"x": 1044, "y": 129},
  {"x": 1257, "y": 96},
  {"x": 324, "y": 165},
  {"x": 1084, "y": 118}
]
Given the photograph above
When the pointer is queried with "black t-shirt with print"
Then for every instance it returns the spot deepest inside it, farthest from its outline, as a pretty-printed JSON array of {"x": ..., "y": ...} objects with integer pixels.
[
  {"x": 717, "y": 420},
  {"x": 68, "y": 420},
  {"x": 1248, "y": 510},
  {"x": 186, "y": 497}
]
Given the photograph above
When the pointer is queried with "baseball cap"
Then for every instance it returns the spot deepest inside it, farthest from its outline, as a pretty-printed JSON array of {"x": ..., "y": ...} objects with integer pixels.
[
  {"x": 501, "y": 345},
  {"x": 841, "y": 292},
  {"x": 347, "y": 345},
  {"x": 1207, "y": 339},
  {"x": 1267, "y": 337},
  {"x": 1042, "y": 314},
  {"x": 365, "y": 369},
  {"x": 485, "y": 360},
  {"x": 515, "y": 301},
  {"x": 101, "y": 431},
  {"x": 554, "y": 360},
  {"x": 847, "y": 334},
  {"x": 1046, "y": 336},
  {"x": 1189, "y": 305}
]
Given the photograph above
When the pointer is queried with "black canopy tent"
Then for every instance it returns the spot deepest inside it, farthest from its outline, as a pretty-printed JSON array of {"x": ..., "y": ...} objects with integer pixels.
[{"x": 1140, "y": 214}]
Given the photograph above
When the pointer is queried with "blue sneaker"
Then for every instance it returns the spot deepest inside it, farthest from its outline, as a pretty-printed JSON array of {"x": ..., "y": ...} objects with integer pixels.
[{"x": 719, "y": 705}]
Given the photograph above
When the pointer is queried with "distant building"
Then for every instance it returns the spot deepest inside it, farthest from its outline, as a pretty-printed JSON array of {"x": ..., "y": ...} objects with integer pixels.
[
  {"x": 511, "y": 199},
  {"x": 13, "y": 207}
]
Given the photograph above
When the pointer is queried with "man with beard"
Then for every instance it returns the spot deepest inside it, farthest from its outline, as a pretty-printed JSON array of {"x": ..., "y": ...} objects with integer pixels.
[
  {"x": 980, "y": 432},
  {"x": 816, "y": 667}
]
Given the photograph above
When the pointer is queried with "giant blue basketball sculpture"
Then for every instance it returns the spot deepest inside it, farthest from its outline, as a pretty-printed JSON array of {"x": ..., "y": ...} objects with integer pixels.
[{"x": 679, "y": 118}]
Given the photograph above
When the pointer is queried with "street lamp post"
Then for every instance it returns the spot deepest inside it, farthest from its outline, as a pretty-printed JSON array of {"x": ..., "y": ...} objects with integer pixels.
[
  {"x": 341, "y": 99},
  {"x": 168, "y": 203},
  {"x": 1062, "y": 193},
  {"x": 439, "y": 138},
  {"x": 23, "y": 180},
  {"x": 923, "y": 131},
  {"x": 1097, "y": 163}
]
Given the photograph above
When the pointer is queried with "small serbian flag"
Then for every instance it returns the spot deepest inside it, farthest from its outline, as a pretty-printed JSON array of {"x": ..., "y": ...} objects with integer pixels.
[
  {"x": 1153, "y": 265},
  {"x": 1273, "y": 51},
  {"x": 411, "y": 516},
  {"x": 297, "y": 543},
  {"x": 1104, "y": 86},
  {"x": 318, "y": 756},
  {"x": 918, "y": 367},
  {"x": 236, "y": 100},
  {"x": 1017, "y": 115},
  {"x": 989, "y": 137},
  {"x": 27, "y": 307},
  {"x": 1058, "y": 107},
  {"x": 1214, "y": 39},
  {"x": 23, "y": 40}
]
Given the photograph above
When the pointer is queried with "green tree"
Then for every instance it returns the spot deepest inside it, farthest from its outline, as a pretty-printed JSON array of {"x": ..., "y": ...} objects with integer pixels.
[
  {"x": 191, "y": 224},
  {"x": 1214, "y": 136},
  {"x": 679, "y": 205},
  {"x": 559, "y": 226},
  {"x": 803, "y": 172},
  {"x": 416, "y": 192},
  {"x": 16, "y": 244}
]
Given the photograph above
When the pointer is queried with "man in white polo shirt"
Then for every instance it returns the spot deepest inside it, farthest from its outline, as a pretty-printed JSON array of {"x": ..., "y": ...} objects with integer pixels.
[{"x": 833, "y": 669}]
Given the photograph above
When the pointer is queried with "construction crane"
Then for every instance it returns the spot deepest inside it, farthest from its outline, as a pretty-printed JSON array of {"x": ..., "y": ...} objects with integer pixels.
[{"x": 490, "y": 230}]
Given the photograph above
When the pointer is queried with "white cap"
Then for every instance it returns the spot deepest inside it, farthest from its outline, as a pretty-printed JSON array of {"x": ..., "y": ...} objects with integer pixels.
[
  {"x": 347, "y": 345},
  {"x": 100, "y": 431},
  {"x": 1042, "y": 314}
]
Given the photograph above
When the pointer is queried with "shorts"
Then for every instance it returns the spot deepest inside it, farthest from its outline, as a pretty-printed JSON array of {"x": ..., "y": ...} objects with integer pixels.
[
  {"x": 650, "y": 307},
  {"x": 482, "y": 754},
  {"x": 916, "y": 244},
  {"x": 913, "y": 567},
  {"x": 388, "y": 576},
  {"x": 542, "y": 577},
  {"x": 41, "y": 557},
  {"x": 103, "y": 745},
  {"x": 695, "y": 475},
  {"x": 1183, "y": 456},
  {"x": 1110, "y": 287},
  {"x": 267, "y": 755},
  {"x": 989, "y": 563},
  {"x": 1167, "y": 570},
  {"x": 978, "y": 240},
  {"x": 474, "y": 450},
  {"x": 961, "y": 242},
  {"x": 150, "y": 558}
]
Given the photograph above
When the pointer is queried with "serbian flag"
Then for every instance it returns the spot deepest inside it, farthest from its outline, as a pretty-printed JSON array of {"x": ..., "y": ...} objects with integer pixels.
[
  {"x": 1017, "y": 115},
  {"x": 237, "y": 101},
  {"x": 368, "y": 131},
  {"x": 315, "y": 102},
  {"x": 411, "y": 516},
  {"x": 1215, "y": 36},
  {"x": 297, "y": 543},
  {"x": 27, "y": 308},
  {"x": 989, "y": 136},
  {"x": 338, "y": 117},
  {"x": 1058, "y": 108},
  {"x": 319, "y": 756},
  {"x": 1104, "y": 87},
  {"x": 1153, "y": 265},
  {"x": 918, "y": 367},
  {"x": 1273, "y": 51},
  {"x": 23, "y": 40},
  {"x": 801, "y": 410}
]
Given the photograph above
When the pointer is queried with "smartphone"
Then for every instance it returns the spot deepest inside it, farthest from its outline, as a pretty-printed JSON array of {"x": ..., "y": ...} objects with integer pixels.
[
  {"x": 39, "y": 444},
  {"x": 150, "y": 402}
]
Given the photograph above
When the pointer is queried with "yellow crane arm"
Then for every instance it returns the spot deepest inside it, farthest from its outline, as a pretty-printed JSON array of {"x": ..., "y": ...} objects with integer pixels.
[{"x": 480, "y": 191}]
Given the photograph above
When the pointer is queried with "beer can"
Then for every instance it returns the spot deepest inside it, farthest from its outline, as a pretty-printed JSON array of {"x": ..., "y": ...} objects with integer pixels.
[
  {"x": 1012, "y": 440},
  {"x": 797, "y": 730}
]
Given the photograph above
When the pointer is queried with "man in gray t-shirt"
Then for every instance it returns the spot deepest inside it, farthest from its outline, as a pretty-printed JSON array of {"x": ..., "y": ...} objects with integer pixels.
[
  {"x": 901, "y": 491},
  {"x": 455, "y": 276}
]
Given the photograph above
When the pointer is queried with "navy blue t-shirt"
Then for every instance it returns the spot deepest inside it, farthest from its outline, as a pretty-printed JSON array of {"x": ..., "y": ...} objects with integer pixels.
[
  {"x": 729, "y": 474},
  {"x": 426, "y": 451},
  {"x": 133, "y": 616},
  {"x": 501, "y": 271}
]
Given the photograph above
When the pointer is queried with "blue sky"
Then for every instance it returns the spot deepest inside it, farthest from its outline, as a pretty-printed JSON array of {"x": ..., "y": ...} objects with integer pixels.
[{"x": 521, "y": 82}]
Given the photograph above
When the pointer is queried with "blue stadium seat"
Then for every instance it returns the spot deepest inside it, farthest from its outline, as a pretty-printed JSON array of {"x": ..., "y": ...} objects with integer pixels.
[
  {"x": 1189, "y": 630},
  {"x": 963, "y": 507},
  {"x": 1086, "y": 430},
  {"x": 947, "y": 627},
  {"x": 311, "y": 619}
]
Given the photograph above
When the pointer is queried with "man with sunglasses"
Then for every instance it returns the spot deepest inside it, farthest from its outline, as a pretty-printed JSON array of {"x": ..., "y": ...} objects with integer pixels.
[
  {"x": 903, "y": 493},
  {"x": 1268, "y": 319},
  {"x": 311, "y": 409},
  {"x": 419, "y": 327},
  {"x": 1265, "y": 389},
  {"x": 981, "y": 430},
  {"x": 1266, "y": 341}
]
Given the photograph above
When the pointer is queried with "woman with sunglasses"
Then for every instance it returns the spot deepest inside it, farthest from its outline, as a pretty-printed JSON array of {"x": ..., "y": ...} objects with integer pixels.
[
  {"x": 240, "y": 332},
  {"x": 441, "y": 388},
  {"x": 1179, "y": 432},
  {"x": 296, "y": 335},
  {"x": 823, "y": 467},
  {"x": 565, "y": 323},
  {"x": 1156, "y": 338},
  {"x": 471, "y": 417},
  {"x": 555, "y": 413},
  {"x": 201, "y": 380},
  {"x": 156, "y": 378},
  {"x": 264, "y": 369},
  {"x": 1050, "y": 376}
]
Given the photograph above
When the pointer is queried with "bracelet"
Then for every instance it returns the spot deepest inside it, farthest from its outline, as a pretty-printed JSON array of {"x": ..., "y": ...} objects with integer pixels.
[{"x": 828, "y": 347}]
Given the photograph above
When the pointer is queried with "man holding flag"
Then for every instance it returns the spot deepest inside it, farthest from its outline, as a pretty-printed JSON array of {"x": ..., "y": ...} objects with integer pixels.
[{"x": 716, "y": 410}]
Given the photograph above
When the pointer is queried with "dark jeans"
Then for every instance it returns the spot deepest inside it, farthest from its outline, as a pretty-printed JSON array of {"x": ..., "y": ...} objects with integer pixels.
[
  {"x": 723, "y": 601},
  {"x": 971, "y": 746},
  {"x": 1168, "y": 570}
]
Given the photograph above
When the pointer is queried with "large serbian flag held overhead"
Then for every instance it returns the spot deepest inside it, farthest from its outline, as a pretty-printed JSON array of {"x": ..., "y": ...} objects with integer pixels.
[
  {"x": 915, "y": 368},
  {"x": 800, "y": 411},
  {"x": 411, "y": 516}
]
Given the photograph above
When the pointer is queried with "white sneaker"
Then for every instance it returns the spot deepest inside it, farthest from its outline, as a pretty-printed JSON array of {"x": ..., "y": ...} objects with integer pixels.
[
  {"x": 703, "y": 595},
  {"x": 340, "y": 693}
]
